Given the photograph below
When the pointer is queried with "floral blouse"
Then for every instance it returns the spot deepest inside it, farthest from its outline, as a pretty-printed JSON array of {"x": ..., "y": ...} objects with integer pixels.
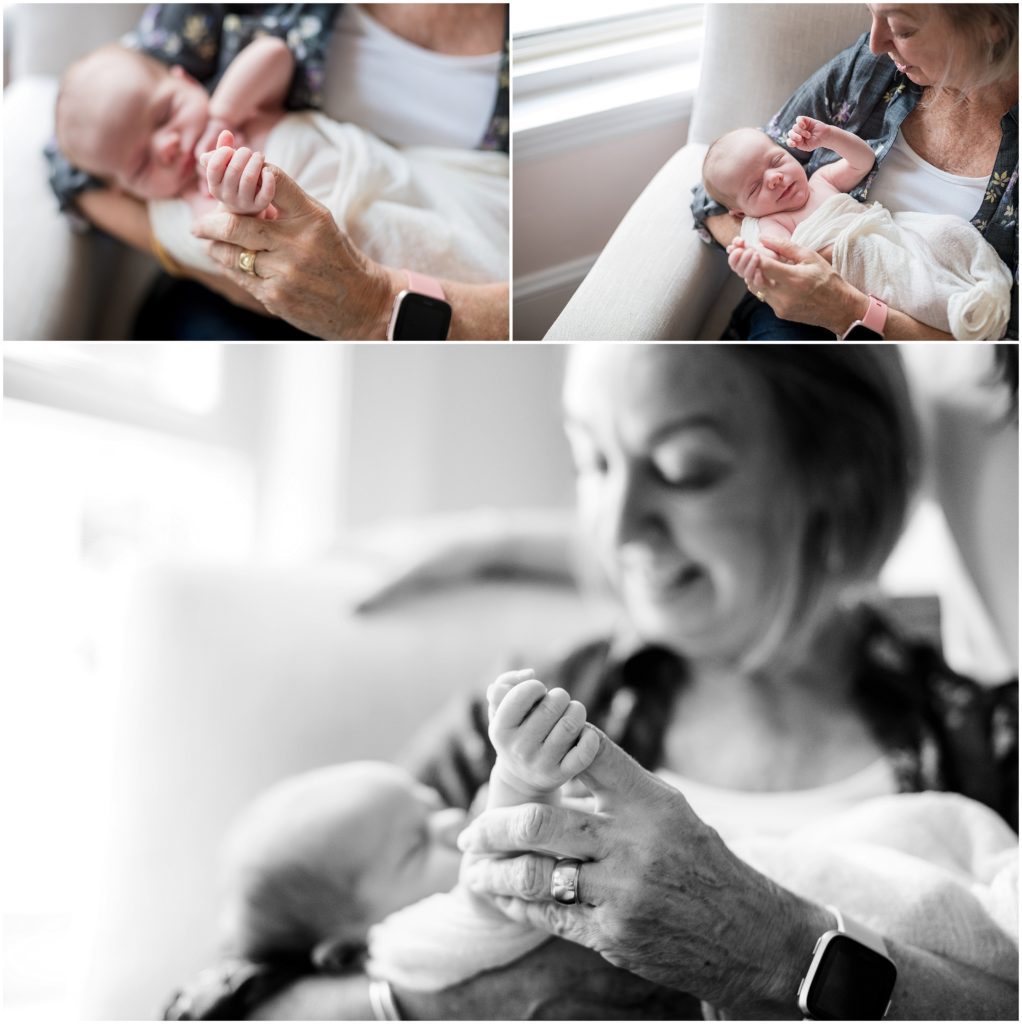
[
  {"x": 205, "y": 38},
  {"x": 866, "y": 95}
]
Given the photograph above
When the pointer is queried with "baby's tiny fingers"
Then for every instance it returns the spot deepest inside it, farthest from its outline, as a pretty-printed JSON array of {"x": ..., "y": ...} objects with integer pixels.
[
  {"x": 250, "y": 179},
  {"x": 267, "y": 190},
  {"x": 517, "y": 704},
  {"x": 582, "y": 754},
  {"x": 565, "y": 731}
]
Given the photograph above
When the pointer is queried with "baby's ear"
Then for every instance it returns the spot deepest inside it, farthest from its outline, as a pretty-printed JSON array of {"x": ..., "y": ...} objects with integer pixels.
[{"x": 737, "y": 214}]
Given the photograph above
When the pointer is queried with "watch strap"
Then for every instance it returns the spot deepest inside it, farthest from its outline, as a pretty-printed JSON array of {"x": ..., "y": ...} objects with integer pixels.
[
  {"x": 425, "y": 285},
  {"x": 874, "y": 319},
  {"x": 858, "y": 931}
]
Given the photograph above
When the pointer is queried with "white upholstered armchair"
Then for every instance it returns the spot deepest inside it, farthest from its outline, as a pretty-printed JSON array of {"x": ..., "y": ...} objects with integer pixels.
[{"x": 656, "y": 280}]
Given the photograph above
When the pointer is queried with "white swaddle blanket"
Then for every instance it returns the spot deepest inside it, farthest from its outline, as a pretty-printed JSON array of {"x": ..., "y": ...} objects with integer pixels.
[
  {"x": 442, "y": 212},
  {"x": 445, "y": 939},
  {"x": 934, "y": 870},
  {"x": 937, "y": 268}
]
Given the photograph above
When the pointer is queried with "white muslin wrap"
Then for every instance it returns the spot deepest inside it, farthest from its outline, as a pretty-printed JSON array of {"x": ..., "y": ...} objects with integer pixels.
[
  {"x": 937, "y": 268},
  {"x": 934, "y": 870},
  {"x": 442, "y": 212},
  {"x": 445, "y": 939}
]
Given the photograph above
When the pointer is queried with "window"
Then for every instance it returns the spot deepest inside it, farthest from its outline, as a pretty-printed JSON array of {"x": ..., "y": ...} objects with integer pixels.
[
  {"x": 113, "y": 457},
  {"x": 586, "y": 71}
]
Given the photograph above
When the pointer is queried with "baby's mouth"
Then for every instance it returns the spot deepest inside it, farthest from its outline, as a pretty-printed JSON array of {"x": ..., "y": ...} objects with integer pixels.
[{"x": 787, "y": 193}]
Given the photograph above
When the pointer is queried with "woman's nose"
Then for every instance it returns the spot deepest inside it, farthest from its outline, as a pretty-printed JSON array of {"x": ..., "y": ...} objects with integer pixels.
[
  {"x": 631, "y": 515},
  {"x": 880, "y": 41}
]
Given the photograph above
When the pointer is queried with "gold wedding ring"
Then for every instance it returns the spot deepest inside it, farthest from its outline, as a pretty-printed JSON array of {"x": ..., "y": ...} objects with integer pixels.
[{"x": 246, "y": 261}]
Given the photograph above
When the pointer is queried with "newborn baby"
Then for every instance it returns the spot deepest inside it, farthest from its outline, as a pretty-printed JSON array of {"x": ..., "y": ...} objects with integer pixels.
[
  {"x": 140, "y": 126},
  {"x": 321, "y": 858},
  {"x": 938, "y": 268}
]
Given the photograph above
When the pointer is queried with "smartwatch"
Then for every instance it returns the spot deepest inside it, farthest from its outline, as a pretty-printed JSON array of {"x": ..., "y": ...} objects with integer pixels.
[
  {"x": 871, "y": 326},
  {"x": 851, "y": 977},
  {"x": 421, "y": 312}
]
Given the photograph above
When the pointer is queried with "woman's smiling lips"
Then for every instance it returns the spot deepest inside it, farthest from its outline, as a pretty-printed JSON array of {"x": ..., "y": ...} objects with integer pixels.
[{"x": 660, "y": 583}]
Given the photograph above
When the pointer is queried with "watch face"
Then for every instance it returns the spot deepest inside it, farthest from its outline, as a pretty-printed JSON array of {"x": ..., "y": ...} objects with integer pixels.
[
  {"x": 851, "y": 982},
  {"x": 422, "y": 318}
]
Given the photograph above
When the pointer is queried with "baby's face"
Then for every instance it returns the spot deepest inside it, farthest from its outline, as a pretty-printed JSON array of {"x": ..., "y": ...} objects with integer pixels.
[
  {"x": 145, "y": 128},
  {"x": 415, "y": 853},
  {"x": 764, "y": 178}
]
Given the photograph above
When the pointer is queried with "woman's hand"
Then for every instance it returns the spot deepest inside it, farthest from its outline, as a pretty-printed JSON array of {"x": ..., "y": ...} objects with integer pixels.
[
  {"x": 557, "y": 981},
  {"x": 306, "y": 270},
  {"x": 660, "y": 894},
  {"x": 801, "y": 285}
]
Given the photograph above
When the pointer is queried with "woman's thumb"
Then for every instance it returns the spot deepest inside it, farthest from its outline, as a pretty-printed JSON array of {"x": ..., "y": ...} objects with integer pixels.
[
  {"x": 614, "y": 777},
  {"x": 289, "y": 197}
]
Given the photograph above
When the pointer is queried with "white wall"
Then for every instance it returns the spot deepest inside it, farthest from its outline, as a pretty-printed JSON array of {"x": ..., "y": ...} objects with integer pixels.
[
  {"x": 567, "y": 205},
  {"x": 440, "y": 428}
]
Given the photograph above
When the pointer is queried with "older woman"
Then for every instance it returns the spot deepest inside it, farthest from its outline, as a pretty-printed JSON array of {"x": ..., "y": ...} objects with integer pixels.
[
  {"x": 933, "y": 88},
  {"x": 741, "y": 500},
  {"x": 413, "y": 74}
]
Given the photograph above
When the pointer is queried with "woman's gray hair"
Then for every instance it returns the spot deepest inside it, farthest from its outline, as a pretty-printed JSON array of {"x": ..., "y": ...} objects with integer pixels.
[
  {"x": 988, "y": 37},
  {"x": 849, "y": 437}
]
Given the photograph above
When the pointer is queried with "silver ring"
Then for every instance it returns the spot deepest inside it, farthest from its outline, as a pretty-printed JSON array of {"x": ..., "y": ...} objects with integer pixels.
[{"x": 564, "y": 881}]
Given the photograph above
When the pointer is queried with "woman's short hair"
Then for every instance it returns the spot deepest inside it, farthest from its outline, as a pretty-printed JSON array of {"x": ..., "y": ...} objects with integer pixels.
[
  {"x": 986, "y": 38},
  {"x": 848, "y": 433}
]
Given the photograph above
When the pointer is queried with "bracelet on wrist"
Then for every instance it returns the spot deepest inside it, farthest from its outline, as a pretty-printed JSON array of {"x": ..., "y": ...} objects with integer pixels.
[{"x": 381, "y": 999}]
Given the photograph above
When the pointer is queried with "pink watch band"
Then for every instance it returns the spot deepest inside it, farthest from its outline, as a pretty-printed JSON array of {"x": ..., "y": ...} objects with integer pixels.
[
  {"x": 874, "y": 319},
  {"x": 424, "y": 285}
]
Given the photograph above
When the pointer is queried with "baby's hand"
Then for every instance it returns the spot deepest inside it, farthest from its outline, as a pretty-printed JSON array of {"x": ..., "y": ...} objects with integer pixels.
[
  {"x": 807, "y": 133},
  {"x": 540, "y": 736},
  {"x": 238, "y": 177}
]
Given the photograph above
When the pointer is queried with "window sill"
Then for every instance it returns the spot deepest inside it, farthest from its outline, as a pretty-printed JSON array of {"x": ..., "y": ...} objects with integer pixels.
[{"x": 597, "y": 111}]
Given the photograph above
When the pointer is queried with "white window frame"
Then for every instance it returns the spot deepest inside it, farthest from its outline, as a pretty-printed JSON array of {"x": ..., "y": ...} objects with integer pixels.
[{"x": 612, "y": 76}]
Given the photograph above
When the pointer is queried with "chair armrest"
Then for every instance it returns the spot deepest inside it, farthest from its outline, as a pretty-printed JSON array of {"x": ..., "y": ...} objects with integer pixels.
[{"x": 656, "y": 279}]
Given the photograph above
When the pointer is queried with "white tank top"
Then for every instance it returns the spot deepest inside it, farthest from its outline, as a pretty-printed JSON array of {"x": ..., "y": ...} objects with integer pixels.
[
  {"x": 739, "y": 815},
  {"x": 403, "y": 93},
  {"x": 906, "y": 182}
]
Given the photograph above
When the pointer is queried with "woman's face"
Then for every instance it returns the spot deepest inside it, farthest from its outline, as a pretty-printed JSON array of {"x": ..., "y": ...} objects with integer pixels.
[
  {"x": 681, "y": 488},
  {"x": 916, "y": 37}
]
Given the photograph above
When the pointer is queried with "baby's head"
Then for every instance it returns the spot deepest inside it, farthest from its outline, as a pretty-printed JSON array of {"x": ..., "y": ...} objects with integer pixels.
[
  {"x": 753, "y": 176},
  {"x": 320, "y": 857},
  {"x": 131, "y": 121}
]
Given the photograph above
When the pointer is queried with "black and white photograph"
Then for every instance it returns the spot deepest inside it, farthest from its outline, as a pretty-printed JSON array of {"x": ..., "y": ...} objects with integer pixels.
[{"x": 471, "y": 682}]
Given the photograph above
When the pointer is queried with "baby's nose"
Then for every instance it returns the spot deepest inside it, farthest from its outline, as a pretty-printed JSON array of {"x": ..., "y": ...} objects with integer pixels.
[{"x": 168, "y": 145}]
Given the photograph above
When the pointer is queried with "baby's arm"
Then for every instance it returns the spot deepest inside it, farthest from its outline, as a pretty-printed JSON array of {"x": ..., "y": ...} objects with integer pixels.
[
  {"x": 256, "y": 81},
  {"x": 540, "y": 737},
  {"x": 856, "y": 160}
]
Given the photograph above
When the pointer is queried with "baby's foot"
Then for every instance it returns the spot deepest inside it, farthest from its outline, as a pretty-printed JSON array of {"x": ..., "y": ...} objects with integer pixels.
[
  {"x": 238, "y": 177},
  {"x": 539, "y": 735}
]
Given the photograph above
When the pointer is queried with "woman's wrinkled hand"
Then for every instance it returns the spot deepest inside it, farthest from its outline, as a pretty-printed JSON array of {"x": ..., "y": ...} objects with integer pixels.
[
  {"x": 306, "y": 271},
  {"x": 799, "y": 284},
  {"x": 659, "y": 891}
]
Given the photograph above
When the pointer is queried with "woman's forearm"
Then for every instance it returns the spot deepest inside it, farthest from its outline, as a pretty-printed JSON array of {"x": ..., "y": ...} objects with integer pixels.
[
  {"x": 319, "y": 997},
  {"x": 119, "y": 215},
  {"x": 928, "y": 987},
  {"x": 480, "y": 311}
]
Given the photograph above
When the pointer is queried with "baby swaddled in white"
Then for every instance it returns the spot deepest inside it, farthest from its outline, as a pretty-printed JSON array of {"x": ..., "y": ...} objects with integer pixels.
[
  {"x": 443, "y": 212},
  {"x": 937, "y": 268}
]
